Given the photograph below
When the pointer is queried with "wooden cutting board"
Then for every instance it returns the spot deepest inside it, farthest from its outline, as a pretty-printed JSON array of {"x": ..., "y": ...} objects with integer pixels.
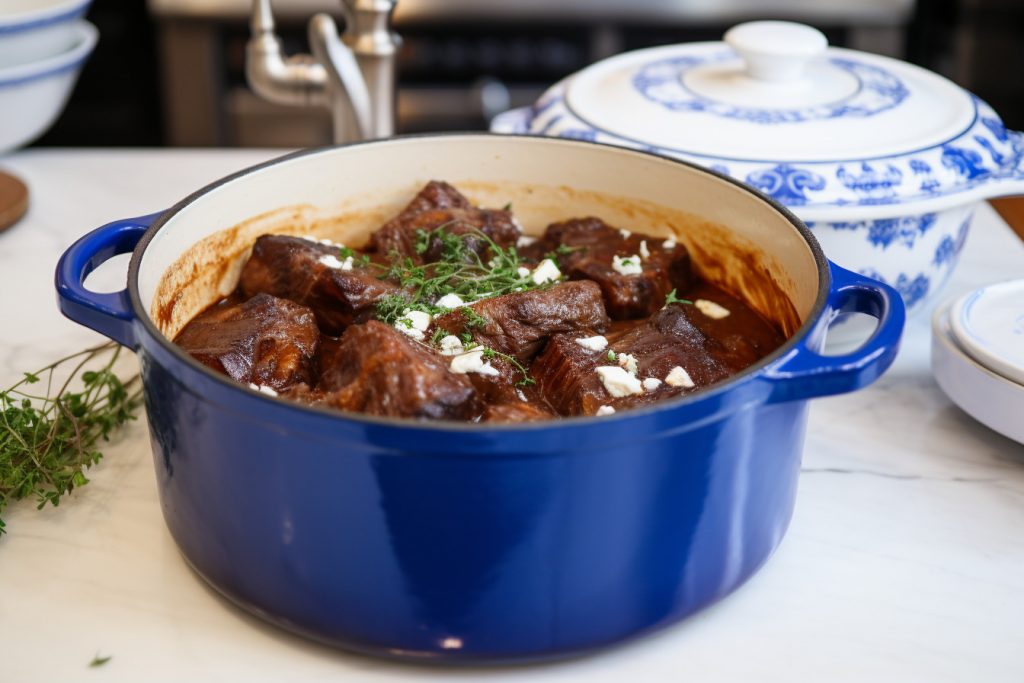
[{"x": 13, "y": 200}]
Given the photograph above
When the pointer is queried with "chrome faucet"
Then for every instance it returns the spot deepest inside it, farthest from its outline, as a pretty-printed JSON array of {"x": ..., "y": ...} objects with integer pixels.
[{"x": 352, "y": 75}]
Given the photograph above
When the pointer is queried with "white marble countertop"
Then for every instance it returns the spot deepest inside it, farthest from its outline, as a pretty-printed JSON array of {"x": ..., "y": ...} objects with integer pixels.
[{"x": 904, "y": 561}]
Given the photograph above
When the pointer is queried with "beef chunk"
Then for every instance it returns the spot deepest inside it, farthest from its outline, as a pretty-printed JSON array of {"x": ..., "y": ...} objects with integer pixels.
[
  {"x": 377, "y": 370},
  {"x": 441, "y": 205},
  {"x": 567, "y": 371},
  {"x": 518, "y": 324},
  {"x": 266, "y": 341},
  {"x": 593, "y": 247},
  {"x": 517, "y": 411},
  {"x": 316, "y": 276}
]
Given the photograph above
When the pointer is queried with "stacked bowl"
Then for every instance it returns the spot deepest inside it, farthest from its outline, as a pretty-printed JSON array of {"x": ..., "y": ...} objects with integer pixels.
[
  {"x": 978, "y": 355},
  {"x": 43, "y": 45}
]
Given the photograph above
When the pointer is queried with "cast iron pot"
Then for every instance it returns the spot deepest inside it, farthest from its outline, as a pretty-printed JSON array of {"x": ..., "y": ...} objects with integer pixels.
[{"x": 450, "y": 541}]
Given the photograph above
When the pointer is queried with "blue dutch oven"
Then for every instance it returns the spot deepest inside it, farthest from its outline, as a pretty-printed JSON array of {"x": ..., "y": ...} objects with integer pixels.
[{"x": 449, "y": 541}]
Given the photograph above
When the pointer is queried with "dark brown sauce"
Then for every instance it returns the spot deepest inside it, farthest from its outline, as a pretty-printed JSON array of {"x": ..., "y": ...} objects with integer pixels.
[{"x": 303, "y": 326}]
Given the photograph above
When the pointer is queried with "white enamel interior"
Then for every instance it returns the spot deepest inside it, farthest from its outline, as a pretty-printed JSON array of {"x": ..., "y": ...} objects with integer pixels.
[
  {"x": 546, "y": 179},
  {"x": 935, "y": 110}
]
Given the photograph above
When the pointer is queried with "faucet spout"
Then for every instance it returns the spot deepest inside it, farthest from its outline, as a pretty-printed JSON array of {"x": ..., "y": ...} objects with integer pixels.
[{"x": 297, "y": 80}]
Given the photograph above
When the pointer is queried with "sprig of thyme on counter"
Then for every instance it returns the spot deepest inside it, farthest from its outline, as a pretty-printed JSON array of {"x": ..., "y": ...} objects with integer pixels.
[{"x": 48, "y": 436}]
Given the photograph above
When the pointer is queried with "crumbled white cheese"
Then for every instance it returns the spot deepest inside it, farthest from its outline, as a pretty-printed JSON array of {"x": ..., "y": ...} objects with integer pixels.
[
  {"x": 605, "y": 410},
  {"x": 625, "y": 233},
  {"x": 451, "y": 346},
  {"x": 263, "y": 389},
  {"x": 678, "y": 377},
  {"x": 618, "y": 382},
  {"x": 644, "y": 251},
  {"x": 473, "y": 361},
  {"x": 329, "y": 243},
  {"x": 670, "y": 243},
  {"x": 630, "y": 265},
  {"x": 331, "y": 261},
  {"x": 413, "y": 323},
  {"x": 711, "y": 309},
  {"x": 450, "y": 301},
  {"x": 546, "y": 271},
  {"x": 627, "y": 361},
  {"x": 652, "y": 383},
  {"x": 522, "y": 272},
  {"x": 524, "y": 240},
  {"x": 598, "y": 343},
  {"x": 521, "y": 395}
]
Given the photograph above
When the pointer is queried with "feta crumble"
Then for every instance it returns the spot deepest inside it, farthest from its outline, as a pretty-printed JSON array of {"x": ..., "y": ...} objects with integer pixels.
[
  {"x": 598, "y": 343},
  {"x": 711, "y": 309},
  {"x": 473, "y": 361},
  {"x": 652, "y": 383},
  {"x": 678, "y": 377},
  {"x": 618, "y": 382},
  {"x": 331, "y": 261},
  {"x": 625, "y": 233},
  {"x": 644, "y": 251},
  {"x": 605, "y": 410},
  {"x": 263, "y": 389},
  {"x": 525, "y": 240},
  {"x": 668, "y": 244},
  {"x": 521, "y": 395},
  {"x": 413, "y": 323},
  {"x": 546, "y": 271},
  {"x": 450, "y": 301},
  {"x": 627, "y": 361},
  {"x": 451, "y": 346},
  {"x": 522, "y": 272},
  {"x": 630, "y": 265}
]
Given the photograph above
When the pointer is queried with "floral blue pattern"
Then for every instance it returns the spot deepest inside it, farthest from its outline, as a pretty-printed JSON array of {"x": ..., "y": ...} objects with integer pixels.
[
  {"x": 949, "y": 248},
  {"x": 883, "y": 232},
  {"x": 786, "y": 183},
  {"x": 876, "y": 184},
  {"x": 663, "y": 82},
  {"x": 911, "y": 288}
]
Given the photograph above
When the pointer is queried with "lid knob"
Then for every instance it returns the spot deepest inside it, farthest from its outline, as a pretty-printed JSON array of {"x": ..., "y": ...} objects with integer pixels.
[{"x": 776, "y": 50}]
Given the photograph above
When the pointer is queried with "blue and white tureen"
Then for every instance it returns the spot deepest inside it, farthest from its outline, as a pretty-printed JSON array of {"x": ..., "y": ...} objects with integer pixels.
[{"x": 885, "y": 161}]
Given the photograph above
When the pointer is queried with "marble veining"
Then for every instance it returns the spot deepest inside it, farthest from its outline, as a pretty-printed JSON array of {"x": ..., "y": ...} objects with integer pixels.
[{"x": 903, "y": 562}]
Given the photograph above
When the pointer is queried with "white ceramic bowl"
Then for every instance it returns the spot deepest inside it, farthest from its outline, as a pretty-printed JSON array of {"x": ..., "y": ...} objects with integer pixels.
[
  {"x": 990, "y": 398},
  {"x": 31, "y": 30},
  {"x": 33, "y": 95}
]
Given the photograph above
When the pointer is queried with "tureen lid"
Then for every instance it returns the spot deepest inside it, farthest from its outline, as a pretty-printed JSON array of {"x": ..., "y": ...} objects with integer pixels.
[{"x": 816, "y": 127}]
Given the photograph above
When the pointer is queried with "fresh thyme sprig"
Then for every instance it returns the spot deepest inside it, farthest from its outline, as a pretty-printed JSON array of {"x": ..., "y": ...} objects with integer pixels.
[
  {"x": 671, "y": 298},
  {"x": 469, "y": 345},
  {"x": 48, "y": 438},
  {"x": 460, "y": 270}
]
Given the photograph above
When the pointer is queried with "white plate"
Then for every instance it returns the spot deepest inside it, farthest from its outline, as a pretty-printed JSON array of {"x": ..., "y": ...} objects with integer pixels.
[
  {"x": 988, "y": 324},
  {"x": 989, "y": 398}
]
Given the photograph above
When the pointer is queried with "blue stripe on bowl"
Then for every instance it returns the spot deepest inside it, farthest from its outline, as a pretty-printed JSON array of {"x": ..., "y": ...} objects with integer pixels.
[
  {"x": 68, "y": 61},
  {"x": 32, "y": 24}
]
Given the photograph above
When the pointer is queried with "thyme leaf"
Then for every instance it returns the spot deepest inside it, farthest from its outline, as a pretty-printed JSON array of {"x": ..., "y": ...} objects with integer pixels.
[{"x": 671, "y": 298}]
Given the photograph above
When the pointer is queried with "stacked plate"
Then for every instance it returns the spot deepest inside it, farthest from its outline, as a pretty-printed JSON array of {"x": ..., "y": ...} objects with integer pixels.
[
  {"x": 43, "y": 45},
  {"x": 978, "y": 355}
]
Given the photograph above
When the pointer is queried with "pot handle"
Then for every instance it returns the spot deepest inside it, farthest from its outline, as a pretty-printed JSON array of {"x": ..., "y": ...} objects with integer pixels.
[
  {"x": 805, "y": 373},
  {"x": 109, "y": 314}
]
